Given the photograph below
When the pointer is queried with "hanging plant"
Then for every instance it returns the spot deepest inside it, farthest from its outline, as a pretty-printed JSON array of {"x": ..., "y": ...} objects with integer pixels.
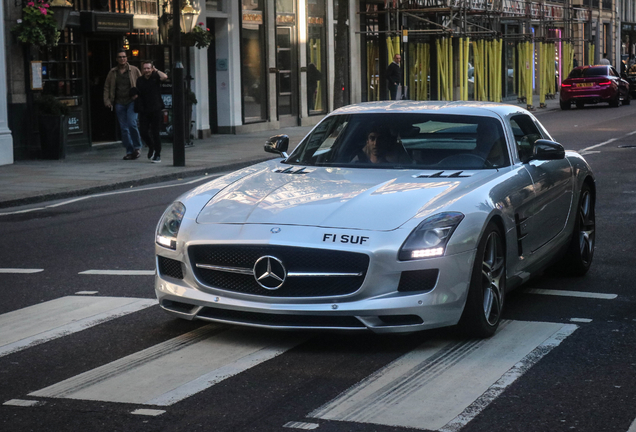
[
  {"x": 201, "y": 35},
  {"x": 37, "y": 26}
]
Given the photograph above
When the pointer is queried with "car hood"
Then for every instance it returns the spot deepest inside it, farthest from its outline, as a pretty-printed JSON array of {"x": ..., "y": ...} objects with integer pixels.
[{"x": 369, "y": 199}]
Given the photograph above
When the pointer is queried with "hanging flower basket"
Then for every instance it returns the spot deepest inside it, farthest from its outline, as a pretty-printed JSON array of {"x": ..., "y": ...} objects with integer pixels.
[
  {"x": 201, "y": 35},
  {"x": 37, "y": 26}
]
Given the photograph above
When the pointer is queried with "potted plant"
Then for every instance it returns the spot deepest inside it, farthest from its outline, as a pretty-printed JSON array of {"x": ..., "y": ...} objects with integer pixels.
[
  {"x": 53, "y": 123},
  {"x": 37, "y": 26}
]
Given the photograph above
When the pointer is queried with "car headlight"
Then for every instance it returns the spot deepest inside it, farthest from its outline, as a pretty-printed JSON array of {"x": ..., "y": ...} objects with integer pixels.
[
  {"x": 169, "y": 225},
  {"x": 430, "y": 237}
]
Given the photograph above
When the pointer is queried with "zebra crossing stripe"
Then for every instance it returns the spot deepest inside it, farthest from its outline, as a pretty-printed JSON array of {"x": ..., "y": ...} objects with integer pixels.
[
  {"x": 442, "y": 384},
  {"x": 20, "y": 271},
  {"x": 176, "y": 369},
  {"x": 46, "y": 321}
]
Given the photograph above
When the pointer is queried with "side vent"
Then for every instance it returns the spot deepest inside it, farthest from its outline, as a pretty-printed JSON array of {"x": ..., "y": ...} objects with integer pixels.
[
  {"x": 444, "y": 174},
  {"x": 521, "y": 226},
  {"x": 292, "y": 170}
]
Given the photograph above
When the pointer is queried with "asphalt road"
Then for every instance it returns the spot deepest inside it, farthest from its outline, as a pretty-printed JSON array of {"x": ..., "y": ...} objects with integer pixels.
[{"x": 111, "y": 358}]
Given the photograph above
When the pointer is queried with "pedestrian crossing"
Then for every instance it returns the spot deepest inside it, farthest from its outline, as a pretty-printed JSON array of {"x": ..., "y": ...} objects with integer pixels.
[
  {"x": 60, "y": 317},
  {"x": 440, "y": 385}
]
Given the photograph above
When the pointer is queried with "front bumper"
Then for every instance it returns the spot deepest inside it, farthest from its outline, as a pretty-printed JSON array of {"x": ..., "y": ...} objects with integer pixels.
[{"x": 377, "y": 305}]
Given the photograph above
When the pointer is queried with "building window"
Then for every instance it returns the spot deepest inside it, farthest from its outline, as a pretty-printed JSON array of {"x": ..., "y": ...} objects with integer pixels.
[
  {"x": 253, "y": 61},
  {"x": 62, "y": 67},
  {"x": 316, "y": 57}
]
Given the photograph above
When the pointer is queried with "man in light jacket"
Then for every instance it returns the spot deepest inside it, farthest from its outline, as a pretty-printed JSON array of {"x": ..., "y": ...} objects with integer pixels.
[{"x": 119, "y": 81}]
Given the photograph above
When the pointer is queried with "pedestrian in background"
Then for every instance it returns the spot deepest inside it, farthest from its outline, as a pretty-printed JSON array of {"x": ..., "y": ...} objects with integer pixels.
[
  {"x": 575, "y": 62},
  {"x": 394, "y": 76},
  {"x": 119, "y": 81},
  {"x": 150, "y": 103}
]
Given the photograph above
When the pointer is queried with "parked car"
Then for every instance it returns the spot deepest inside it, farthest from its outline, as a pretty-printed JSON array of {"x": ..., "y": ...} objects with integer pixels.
[
  {"x": 388, "y": 216},
  {"x": 592, "y": 85}
]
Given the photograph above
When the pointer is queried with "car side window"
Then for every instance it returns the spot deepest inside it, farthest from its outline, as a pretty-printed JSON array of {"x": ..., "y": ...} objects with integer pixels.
[
  {"x": 526, "y": 133},
  {"x": 613, "y": 72}
]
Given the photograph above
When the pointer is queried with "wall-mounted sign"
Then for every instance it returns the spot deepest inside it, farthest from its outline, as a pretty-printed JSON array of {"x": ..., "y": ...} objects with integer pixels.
[
  {"x": 75, "y": 122},
  {"x": 315, "y": 20},
  {"x": 36, "y": 75},
  {"x": 288, "y": 19},
  {"x": 105, "y": 22},
  {"x": 221, "y": 64},
  {"x": 253, "y": 17}
]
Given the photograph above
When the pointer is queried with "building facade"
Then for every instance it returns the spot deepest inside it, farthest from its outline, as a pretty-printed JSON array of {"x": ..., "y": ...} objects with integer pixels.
[{"x": 272, "y": 64}]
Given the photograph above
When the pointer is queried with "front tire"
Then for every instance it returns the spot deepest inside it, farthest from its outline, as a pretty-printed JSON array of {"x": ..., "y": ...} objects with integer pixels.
[
  {"x": 484, "y": 305},
  {"x": 578, "y": 257},
  {"x": 564, "y": 105}
]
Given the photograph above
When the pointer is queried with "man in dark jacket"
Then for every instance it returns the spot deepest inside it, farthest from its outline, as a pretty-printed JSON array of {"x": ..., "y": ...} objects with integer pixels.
[
  {"x": 150, "y": 106},
  {"x": 394, "y": 75}
]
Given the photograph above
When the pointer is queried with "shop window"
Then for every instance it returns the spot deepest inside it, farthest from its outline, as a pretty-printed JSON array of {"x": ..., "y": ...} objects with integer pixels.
[
  {"x": 62, "y": 69},
  {"x": 139, "y": 7},
  {"x": 253, "y": 72},
  {"x": 144, "y": 45},
  {"x": 316, "y": 58}
]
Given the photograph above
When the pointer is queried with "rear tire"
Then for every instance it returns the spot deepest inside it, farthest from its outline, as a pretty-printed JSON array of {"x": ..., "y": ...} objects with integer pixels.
[
  {"x": 578, "y": 258},
  {"x": 615, "y": 102},
  {"x": 486, "y": 294},
  {"x": 564, "y": 105}
]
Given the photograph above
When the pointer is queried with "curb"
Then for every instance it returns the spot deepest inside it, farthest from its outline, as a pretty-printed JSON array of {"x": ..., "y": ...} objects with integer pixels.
[{"x": 128, "y": 183}]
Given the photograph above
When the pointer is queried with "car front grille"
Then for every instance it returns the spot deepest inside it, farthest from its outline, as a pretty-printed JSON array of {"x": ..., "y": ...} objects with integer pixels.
[{"x": 311, "y": 272}]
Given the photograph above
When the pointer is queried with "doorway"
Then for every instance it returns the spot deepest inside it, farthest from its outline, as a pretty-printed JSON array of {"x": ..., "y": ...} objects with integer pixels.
[{"x": 100, "y": 55}]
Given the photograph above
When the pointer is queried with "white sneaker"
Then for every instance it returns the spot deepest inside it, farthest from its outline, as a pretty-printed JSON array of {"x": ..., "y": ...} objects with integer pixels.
[{"x": 155, "y": 159}]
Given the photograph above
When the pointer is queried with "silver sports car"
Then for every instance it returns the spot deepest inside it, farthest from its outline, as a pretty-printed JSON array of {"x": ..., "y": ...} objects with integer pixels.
[{"x": 390, "y": 217}]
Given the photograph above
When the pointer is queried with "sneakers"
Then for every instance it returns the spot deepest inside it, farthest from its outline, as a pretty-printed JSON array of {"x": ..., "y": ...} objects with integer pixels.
[
  {"x": 156, "y": 159},
  {"x": 136, "y": 154},
  {"x": 151, "y": 153}
]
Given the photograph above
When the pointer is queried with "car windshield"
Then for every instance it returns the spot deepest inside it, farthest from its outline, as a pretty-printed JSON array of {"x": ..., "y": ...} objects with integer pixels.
[
  {"x": 589, "y": 72},
  {"x": 398, "y": 140}
]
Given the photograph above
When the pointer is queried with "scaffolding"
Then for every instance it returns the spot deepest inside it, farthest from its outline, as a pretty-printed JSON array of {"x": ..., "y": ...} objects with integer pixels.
[{"x": 474, "y": 49}]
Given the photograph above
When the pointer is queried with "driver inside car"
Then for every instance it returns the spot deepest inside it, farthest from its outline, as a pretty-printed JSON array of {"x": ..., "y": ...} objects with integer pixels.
[
  {"x": 381, "y": 147},
  {"x": 375, "y": 150}
]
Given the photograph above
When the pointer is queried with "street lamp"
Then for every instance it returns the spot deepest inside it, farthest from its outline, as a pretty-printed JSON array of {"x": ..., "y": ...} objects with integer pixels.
[
  {"x": 61, "y": 11},
  {"x": 188, "y": 15}
]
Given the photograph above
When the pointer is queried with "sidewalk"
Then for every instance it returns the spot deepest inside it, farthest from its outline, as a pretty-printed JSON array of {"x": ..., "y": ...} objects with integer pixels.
[{"x": 99, "y": 170}]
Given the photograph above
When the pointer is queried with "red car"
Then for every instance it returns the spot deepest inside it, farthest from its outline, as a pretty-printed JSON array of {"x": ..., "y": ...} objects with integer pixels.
[{"x": 594, "y": 84}]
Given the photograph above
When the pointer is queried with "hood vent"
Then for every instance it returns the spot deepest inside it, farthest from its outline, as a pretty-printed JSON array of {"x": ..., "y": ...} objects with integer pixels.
[
  {"x": 292, "y": 170},
  {"x": 444, "y": 174}
]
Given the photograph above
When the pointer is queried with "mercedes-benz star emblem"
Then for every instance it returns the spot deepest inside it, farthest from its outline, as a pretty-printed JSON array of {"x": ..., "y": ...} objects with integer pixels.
[{"x": 270, "y": 272}]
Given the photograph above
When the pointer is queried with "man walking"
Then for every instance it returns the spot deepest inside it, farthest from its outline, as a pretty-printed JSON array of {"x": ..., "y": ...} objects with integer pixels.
[
  {"x": 394, "y": 76},
  {"x": 150, "y": 105},
  {"x": 119, "y": 81}
]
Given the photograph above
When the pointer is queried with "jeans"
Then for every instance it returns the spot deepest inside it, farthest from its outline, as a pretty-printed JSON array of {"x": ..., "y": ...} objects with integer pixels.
[
  {"x": 149, "y": 124},
  {"x": 128, "y": 123}
]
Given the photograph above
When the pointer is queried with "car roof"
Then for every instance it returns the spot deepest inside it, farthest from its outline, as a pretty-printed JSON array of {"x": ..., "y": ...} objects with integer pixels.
[
  {"x": 475, "y": 108},
  {"x": 592, "y": 66}
]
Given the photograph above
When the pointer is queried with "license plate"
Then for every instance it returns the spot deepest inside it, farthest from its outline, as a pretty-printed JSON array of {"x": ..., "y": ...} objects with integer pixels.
[{"x": 585, "y": 85}]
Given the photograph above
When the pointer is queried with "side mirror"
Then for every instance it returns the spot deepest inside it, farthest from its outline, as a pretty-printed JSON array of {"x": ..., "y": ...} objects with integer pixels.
[
  {"x": 277, "y": 144},
  {"x": 547, "y": 150}
]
